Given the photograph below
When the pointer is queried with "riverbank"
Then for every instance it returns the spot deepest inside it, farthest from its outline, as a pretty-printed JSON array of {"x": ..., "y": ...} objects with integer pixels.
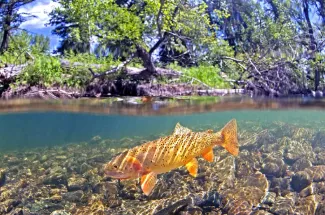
[{"x": 116, "y": 88}]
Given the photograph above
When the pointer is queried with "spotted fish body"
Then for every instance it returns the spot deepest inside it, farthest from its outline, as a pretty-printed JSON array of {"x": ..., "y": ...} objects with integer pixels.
[{"x": 171, "y": 152}]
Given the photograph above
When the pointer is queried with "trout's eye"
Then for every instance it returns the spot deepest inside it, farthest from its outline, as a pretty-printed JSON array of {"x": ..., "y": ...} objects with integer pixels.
[{"x": 115, "y": 166}]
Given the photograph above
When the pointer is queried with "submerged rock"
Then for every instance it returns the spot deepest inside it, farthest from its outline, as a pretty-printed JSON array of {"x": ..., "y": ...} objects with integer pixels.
[
  {"x": 8, "y": 205},
  {"x": 320, "y": 210},
  {"x": 274, "y": 167},
  {"x": 247, "y": 164},
  {"x": 13, "y": 161},
  {"x": 304, "y": 178},
  {"x": 108, "y": 189},
  {"x": 55, "y": 179},
  {"x": 269, "y": 198},
  {"x": 56, "y": 176},
  {"x": 45, "y": 206},
  {"x": 44, "y": 158},
  {"x": 239, "y": 206},
  {"x": 319, "y": 140},
  {"x": 306, "y": 205},
  {"x": 283, "y": 205},
  {"x": 84, "y": 168},
  {"x": 301, "y": 164},
  {"x": 300, "y": 180},
  {"x": 280, "y": 186},
  {"x": 264, "y": 139},
  {"x": 75, "y": 183},
  {"x": 192, "y": 210},
  {"x": 60, "y": 212},
  {"x": 248, "y": 193},
  {"x": 260, "y": 212},
  {"x": 74, "y": 196},
  {"x": 294, "y": 150}
]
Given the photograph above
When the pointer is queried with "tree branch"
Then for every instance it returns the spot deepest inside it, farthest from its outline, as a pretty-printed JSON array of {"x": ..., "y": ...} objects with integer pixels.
[
  {"x": 117, "y": 68},
  {"x": 236, "y": 60},
  {"x": 159, "y": 24},
  {"x": 258, "y": 72},
  {"x": 158, "y": 43}
]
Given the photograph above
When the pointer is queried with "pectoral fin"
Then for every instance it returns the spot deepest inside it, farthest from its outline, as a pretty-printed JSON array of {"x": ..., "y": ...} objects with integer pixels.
[
  {"x": 192, "y": 167},
  {"x": 148, "y": 182},
  {"x": 209, "y": 156}
]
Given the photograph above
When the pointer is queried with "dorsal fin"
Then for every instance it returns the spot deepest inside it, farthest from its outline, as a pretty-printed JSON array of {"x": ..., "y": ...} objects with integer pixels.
[{"x": 181, "y": 130}]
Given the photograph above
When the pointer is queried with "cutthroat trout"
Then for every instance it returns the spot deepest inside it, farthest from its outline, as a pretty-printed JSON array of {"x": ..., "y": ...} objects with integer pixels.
[{"x": 165, "y": 154}]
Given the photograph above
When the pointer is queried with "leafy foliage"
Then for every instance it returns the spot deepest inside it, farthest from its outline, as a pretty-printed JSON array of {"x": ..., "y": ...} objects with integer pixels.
[
  {"x": 23, "y": 46},
  {"x": 45, "y": 71},
  {"x": 205, "y": 73}
]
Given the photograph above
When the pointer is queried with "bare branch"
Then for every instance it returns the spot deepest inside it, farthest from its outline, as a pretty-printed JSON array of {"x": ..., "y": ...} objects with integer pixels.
[
  {"x": 158, "y": 43},
  {"x": 117, "y": 68},
  {"x": 250, "y": 60},
  {"x": 236, "y": 60},
  {"x": 179, "y": 36}
]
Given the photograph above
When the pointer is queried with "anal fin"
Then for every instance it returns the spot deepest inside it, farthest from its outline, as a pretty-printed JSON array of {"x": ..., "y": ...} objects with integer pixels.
[
  {"x": 209, "y": 156},
  {"x": 148, "y": 182},
  {"x": 192, "y": 167}
]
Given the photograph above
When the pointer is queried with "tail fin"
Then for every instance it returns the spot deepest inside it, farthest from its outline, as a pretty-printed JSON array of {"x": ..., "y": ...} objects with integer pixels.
[{"x": 229, "y": 134}]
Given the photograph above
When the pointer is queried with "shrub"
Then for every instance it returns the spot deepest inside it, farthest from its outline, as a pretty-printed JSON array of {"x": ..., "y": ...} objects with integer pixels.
[
  {"x": 44, "y": 70},
  {"x": 207, "y": 74}
]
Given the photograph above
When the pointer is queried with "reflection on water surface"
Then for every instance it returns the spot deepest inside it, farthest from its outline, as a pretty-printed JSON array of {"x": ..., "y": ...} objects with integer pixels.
[
  {"x": 52, "y": 154},
  {"x": 158, "y": 106}
]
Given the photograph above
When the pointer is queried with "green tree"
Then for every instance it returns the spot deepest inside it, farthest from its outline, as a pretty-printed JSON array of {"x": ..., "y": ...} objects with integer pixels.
[
  {"x": 11, "y": 19},
  {"x": 138, "y": 28},
  {"x": 74, "y": 23},
  {"x": 24, "y": 46}
]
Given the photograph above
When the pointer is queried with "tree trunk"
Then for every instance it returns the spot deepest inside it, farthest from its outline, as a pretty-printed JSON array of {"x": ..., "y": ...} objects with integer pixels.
[
  {"x": 5, "y": 41},
  {"x": 147, "y": 60},
  {"x": 313, "y": 44},
  {"x": 274, "y": 9},
  {"x": 6, "y": 26}
]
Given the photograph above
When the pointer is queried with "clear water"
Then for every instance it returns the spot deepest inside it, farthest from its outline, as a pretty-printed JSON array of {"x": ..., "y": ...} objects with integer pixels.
[
  {"x": 27, "y": 130},
  {"x": 51, "y": 159}
]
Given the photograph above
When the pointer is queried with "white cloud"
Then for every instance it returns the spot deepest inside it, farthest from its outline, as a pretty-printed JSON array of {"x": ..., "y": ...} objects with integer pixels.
[{"x": 41, "y": 9}]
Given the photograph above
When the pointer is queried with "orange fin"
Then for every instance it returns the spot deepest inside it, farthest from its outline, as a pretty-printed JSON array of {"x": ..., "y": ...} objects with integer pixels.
[
  {"x": 181, "y": 130},
  {"x": 148, "y": 182},
  {"x": 192, "y": 167},
  {"x": 229, "y": 134},
  {"x": 135, "y": 163},
  {"x": 209, "y": 156}
]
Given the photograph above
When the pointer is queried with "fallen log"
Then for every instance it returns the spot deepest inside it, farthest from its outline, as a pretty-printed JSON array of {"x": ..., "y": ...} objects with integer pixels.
[{"x": 10, "y": 72}]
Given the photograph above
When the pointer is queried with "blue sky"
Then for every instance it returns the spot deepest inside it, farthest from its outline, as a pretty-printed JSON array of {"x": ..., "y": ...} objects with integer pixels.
[{"x": 41, "y": 9}]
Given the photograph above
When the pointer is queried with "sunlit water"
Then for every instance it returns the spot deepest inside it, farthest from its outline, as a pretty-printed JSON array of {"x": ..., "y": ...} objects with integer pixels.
[
  {"x": 51, "y": 162},
  {"x": 26, "y": 130}
]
